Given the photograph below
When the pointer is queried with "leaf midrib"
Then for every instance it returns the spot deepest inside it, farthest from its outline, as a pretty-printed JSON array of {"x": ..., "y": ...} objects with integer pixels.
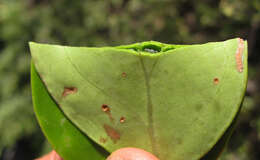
[{"x": 149, "y": 107}]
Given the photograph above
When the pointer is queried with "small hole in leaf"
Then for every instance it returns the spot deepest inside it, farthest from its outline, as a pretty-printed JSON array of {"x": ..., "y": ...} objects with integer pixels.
[
  {"x": 105, "y": 108},
  {"x": 122, "y": 119},
  {"x": 216, "y": 80},
  {"x": 151, "y": 48}
]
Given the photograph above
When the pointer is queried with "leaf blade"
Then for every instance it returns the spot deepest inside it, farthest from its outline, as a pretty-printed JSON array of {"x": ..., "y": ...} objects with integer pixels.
[
  {"x": 101, "y": 83},
  {"x": 67, "y": 140}
]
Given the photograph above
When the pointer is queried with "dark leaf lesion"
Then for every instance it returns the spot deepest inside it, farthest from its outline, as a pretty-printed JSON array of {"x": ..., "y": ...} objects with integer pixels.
[
  {"x": 69, "y": 90},
  {"x": 112, "y": 133}
]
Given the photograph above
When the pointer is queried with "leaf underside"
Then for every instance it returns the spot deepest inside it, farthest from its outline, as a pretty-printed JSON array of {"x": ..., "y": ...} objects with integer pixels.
[
  {"x": 175, "y": 102},
  {"x": 64, "y": 137}
]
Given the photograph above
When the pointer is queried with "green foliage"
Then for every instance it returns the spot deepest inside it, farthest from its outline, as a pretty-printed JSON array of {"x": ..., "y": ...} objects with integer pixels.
[
  {"x": 114, "y": 22},
  {"x": 201, "y": 95},
  {"x": 61, "y": 133}
]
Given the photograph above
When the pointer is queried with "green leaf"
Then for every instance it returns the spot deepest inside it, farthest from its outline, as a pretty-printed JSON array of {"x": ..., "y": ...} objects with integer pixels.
[
  {"x": 174, "y": 101},
  {"x": 67, "y": 140},
  {"x": 215, "y": 152}
]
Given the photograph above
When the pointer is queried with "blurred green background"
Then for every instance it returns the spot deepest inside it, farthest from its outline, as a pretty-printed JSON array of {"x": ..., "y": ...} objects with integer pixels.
[{"x": 114, "y": 22}]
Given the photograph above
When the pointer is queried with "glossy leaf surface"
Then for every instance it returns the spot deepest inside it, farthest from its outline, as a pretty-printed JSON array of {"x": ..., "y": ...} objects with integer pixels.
[{"x": 176, "y": 101}]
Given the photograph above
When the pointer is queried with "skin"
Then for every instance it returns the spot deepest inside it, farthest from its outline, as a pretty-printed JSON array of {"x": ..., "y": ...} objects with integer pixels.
[
  {"x": 131, "y": 154},
  {"x": 120, "y": 154},
  {"x": 50, "y": 156}
]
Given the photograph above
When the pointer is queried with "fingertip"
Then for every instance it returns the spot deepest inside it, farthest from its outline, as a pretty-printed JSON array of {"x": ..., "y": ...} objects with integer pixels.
[
  {"x": 50, "y": 156},
  {"x": 55, "y": 156},
  {"x": 130, "y": 153}
]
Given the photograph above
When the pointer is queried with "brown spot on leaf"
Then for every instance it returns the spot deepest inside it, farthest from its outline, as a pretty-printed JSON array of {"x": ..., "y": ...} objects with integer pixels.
[
  {"x": 102, "y": 140},
  {"x": 122, "y": 119},
  {"x": 69, "y": 90},
  {"x": 112, "y": 133},
  {"x": 216, "y": 80},
  {"x": 105, "y": 108},
  {"x": 124, "y": 74},
  {"x": 239, "y": 55}
]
